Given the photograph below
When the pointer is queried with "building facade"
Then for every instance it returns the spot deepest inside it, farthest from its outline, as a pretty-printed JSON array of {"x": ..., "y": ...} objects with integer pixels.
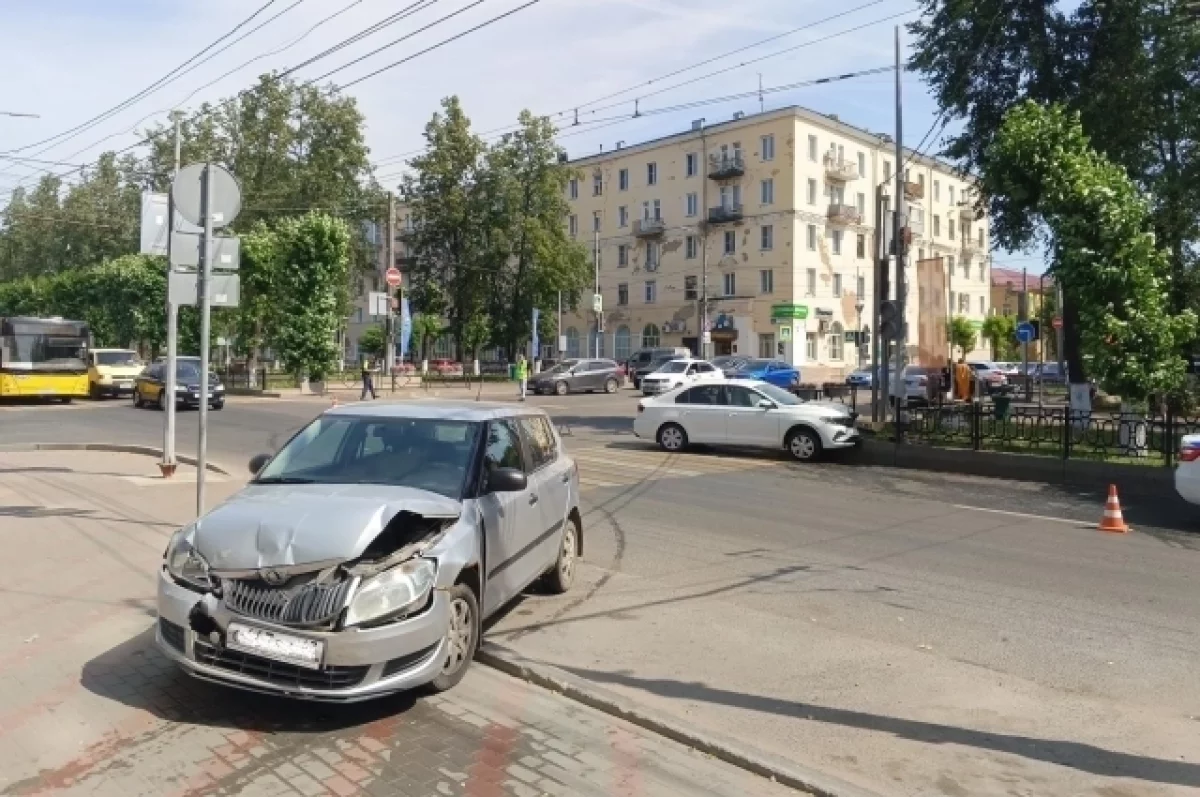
[{"x": 772, "y": 217}]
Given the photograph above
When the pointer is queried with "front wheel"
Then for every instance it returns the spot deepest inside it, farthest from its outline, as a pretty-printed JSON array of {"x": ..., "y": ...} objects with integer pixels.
[
  {"x": 218, "y": 405},
  {"x": 560, "y": 388},
  {"x": 560, "y": 577},
  {"x": 804, "y": 445},
  {"x": 672, "y": 438},
  {"x": 462, "y": 638},
  {"x": 137, "y": 399},
  {"x": 611, "y": 386}
]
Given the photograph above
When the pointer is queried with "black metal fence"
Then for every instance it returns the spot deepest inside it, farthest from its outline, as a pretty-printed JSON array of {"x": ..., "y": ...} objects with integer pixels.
[{"x": 1050, "y": 431}]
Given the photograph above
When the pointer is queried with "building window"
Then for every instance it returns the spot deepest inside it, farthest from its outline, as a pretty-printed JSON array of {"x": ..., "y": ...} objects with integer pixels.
[
  {"x": 837, "y": 286},
  {"x": 953, "y": 297},
  {"x": 768, "y": 148},
  {"x": 862, "y": 165},
  {"x": 920, "y": 254},
  {"x": 810, "y": 282},
  {"x": 937, "y": 191},
  {"x": 812, "y": 237},
  {"x": 766, "y": 281},
  {"x": 980, "y": 237},
  {"x": 861, "y": 287},
  {"x": 966, "y": 270},
  {"x": 981, "y": 272},
  {"x": 730, "y": 284},
  {"x": 812, "y": 191},
  {"x": 887, "y": 170},
  {"x": 837, "y": 242},
  {"x": 690, "y": 247},
  {"x": 595, "y": 221},
  {"x": 652, "y": 210},
  {"x": 652, "y": 174},
  {"x": 768, "y": 191},
  {"x": 810, "y": 347},
  {"x": 651, "y": 292},
  {"x": 597, "y": 184},
  {"x": 573, "y": 225},
  {"x": 981, "y": 302},
  {"x": 950, "y": 189},
  {"x": 766, "y": 346},
  {"x": 730, "y": 242},
  {"x": 950, "y": 228},
  {"x": 964, "y": 303},
  {"x": 689, "y": 289},
  {"x": 921, "y": 182},
  {"x": 812, "y": 148},
  {"x": 937, "y": 225},
  {"x": 622, "y": 344},
  {"x": 623, "y": 180},
  {"x": 623, "y": 216},
  {"x": 572, "y": 342},
  {"x": 837, "y": 340},
  {"x": 768, "y": 236},
  {"x": 651, "y": 337},
  {"x": 860, "y": 203},
  {"x": 860, "y": 246},
  {"x": 651, "y": 255},
  {"x": 623, "y": 294},
  {"x": 622, "y": 255},
  {"x": 950, "y": 265},
  {"x": 573, "y": 188},
  {"x": 693, "y": 164},
  {"x": 693, "y": 204}
]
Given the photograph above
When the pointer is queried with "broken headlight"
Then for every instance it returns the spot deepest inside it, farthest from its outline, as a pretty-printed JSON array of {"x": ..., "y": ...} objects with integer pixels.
[
  {"x": 393, "y": 592},
  {"x": 184, "y": 562}
]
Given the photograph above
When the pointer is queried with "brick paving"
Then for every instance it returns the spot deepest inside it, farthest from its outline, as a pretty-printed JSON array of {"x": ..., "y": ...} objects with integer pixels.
[{"x": 89, "y": 707}]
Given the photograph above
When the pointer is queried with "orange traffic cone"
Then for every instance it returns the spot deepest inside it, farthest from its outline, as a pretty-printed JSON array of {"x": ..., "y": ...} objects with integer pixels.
[{"x": 1113, "y": 521}]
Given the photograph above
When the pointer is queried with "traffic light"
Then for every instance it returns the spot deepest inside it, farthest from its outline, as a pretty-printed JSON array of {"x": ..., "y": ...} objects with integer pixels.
[{"x": 889, "y": 320}]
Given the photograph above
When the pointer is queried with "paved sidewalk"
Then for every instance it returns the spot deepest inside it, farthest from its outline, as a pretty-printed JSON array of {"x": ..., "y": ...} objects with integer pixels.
[{"x": 88, "y": 706}]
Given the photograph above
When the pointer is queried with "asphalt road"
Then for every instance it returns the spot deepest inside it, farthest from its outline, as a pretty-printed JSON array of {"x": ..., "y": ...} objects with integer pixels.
[{"x": 913, "y": 633}]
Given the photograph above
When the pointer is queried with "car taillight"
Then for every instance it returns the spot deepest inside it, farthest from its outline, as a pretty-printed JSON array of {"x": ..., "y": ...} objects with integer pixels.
[{"x": 1189, "y": 454}]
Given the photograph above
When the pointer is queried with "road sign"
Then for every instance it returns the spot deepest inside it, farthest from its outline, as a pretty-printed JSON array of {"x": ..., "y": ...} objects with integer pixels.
[
  {"x": 224, "y": 290},
  {"x": 597, "y": 303},
  {"x": 154, "y": 224},
  {"x": 377, "y": 303},
  {"x": 187, "y": 248},
  {"x": 1025, "y": 332},
  {"x": 224, "y": 204},
  {"x": 393, "y": 277},
  {"x": 1057, "y": 322},
  {"x": 785, "y": 333}
]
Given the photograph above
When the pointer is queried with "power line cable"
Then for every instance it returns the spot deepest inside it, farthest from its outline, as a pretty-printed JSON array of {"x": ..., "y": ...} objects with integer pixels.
[{"x": 402, "y": 14}]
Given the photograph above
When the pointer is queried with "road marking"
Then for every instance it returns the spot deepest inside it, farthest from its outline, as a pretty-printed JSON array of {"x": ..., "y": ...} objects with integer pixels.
[{"x": 1020, "y": 514}]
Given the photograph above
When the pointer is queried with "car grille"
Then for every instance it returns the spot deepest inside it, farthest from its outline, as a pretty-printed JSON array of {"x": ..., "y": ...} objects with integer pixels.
[
  {"x": 406, "y": 662},
  {"x": 277, "y": 672},
  {"x": 172, "y": 634},
  {"x": 308, "y": 604}
]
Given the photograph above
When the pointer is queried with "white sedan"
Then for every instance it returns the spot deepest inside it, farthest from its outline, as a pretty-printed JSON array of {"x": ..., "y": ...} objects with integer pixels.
[
  {"x": 677, "y": 373},
  {"x": 1187, "y": 470},
  {"x": 742, "y": 413}
]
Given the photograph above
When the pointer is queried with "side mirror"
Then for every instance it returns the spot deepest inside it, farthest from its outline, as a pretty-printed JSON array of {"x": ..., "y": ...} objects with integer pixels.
[
  {"x": 766, "y": 405},
  {"x": 507, "y": 480},
  {"x": 258, "y": 462}
]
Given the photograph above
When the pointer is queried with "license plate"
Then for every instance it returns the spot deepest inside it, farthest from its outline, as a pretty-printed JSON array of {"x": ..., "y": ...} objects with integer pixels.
[
  {"x": 124, "y": 384},
  {"x": 273, "y": 645}
]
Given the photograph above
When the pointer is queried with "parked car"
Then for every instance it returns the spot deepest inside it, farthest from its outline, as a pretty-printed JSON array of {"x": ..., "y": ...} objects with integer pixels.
[
  {"x": 674, "y": 373},
  {"x": 745, "y": 413},
  {"x": 1051, "y": 374},
  {"x": 575, "y": 376},
  {"x": 643, "y": 361},
  {"x": 150, "y": 386},
  {"x": 991, "y": 374},
  {"x": 112, "y": 372},
  {"x": 1187, "y": 469},
  {"x": 860, "y": 377},
  {"x": 1010, "y": 370},
  {"x": 774, "y": 372},
  {"x": 915, "y": 379},
  {"x": 364, "y": 557}
]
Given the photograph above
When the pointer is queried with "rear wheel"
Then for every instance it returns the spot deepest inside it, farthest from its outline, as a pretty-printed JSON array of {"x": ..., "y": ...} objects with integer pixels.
[
  {"x": 559, "y": 578},
  {"x": 462, "y": 638},
  {"x": 216, "y": 405},
  {"x": 804, "y": 445},
  {"x": 672, "y": 438},
  {"x": 611, "y": 386},
  {"x": 560, "y": 388}
]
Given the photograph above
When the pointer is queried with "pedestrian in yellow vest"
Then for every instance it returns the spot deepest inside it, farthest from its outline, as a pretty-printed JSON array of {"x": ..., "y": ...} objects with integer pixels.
[{"x": 522, "y": 374}]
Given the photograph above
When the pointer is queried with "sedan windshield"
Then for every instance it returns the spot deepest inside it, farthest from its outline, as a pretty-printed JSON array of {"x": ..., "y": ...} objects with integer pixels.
[
  {"x": 116, "y": 358},
  {"x": 673, "y": 368},
  {"x": 427, "y": 454},
  {"x": 778, "y": 395}
]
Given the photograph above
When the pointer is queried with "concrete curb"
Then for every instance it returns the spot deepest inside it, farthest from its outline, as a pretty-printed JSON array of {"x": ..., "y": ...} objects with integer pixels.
[
  {"x": 148, "y": 451},
  {"x": 730, "y": 751},
  {"x": 246, "y": 392}
]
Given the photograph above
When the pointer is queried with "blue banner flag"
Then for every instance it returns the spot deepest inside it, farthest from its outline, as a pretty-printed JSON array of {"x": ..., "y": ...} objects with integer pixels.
[
  {"x": 405, "y": 327},
  {"x": 536, "y": 349}
]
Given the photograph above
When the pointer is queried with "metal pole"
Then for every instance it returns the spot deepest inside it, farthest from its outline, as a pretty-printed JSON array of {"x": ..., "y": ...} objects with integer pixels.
[
  {"x": 205, "y": 319},
  {"x": 596, "y": 292},
  {"x": 169, "y": 464},
  {"x": 705, "y": 334},
  {"x": 879, "y": 261},
  {"x": 1025, "y": 344},
  {"x": 1042, "y": 336},
  {"x": 558, "y": 329},
  {"x": 1061, "y": 330},
  {"x": 901, "y": 245},
  {"x": 389, "y": 348}
]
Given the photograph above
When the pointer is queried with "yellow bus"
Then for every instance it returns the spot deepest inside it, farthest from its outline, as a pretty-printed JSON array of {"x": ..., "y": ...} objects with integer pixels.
[{"x": 43, "y": 358}]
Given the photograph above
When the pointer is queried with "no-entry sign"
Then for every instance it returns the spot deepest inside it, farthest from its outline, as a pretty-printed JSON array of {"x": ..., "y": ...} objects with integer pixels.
[
  {"x": 393, "y": 277},
  {"x": 1057, "y": 322}
]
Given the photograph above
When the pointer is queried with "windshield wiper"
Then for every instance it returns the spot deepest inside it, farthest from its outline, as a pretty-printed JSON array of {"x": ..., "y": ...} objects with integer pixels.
[{"x": 284, "y": 480}]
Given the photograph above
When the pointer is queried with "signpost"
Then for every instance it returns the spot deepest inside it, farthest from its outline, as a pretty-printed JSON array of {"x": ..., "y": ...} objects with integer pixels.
[{"x": 1025, "y": 333}]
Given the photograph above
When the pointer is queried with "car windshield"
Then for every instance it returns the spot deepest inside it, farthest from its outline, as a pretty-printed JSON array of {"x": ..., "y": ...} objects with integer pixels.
[
  {"x": 116, "y": 358},
  {"x": 426, "y": 454},
  {"x": 752, "y": 365},
  {"x": 673, "y": 368},
  {"x": 778, "y": 395}
]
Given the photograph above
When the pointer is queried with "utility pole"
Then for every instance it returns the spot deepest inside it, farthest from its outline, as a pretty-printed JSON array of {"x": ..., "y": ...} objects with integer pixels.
[
  {"x": 705, "y": 333},
  {"x": 1024, "y": 344},
  {"x": 169, "y": 464},
  {"x": 206, "y": 199},
  {"x": 879, "y": 274},
  {"x": 596, "y": 272},
  {"x": 389, "y": 249},
  {"x": 558, "y": 333},
  {"x": 899, "y": 225}
]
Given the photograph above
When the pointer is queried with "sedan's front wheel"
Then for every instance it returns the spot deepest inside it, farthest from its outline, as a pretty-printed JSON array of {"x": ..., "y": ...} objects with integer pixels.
[
  {"x": 610, "y": 386},
  {"x": 462, "y": 638},
  {"x": 804, "y": 445},
  {"x": 672, "y": 438}
]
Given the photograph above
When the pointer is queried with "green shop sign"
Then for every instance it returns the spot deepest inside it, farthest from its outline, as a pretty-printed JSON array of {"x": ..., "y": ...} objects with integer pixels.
[{"x": 799, "y": 311}]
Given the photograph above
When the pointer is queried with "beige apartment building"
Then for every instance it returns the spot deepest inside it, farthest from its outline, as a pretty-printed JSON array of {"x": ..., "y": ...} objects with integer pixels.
[{"x": 776, "y": 213}]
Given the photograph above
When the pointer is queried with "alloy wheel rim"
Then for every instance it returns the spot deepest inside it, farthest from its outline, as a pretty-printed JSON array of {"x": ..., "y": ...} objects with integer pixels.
[
  {"x": 458, "y": 636},
  {"x": 566, "y": 564},
  {"x": 672, "y": 438}
]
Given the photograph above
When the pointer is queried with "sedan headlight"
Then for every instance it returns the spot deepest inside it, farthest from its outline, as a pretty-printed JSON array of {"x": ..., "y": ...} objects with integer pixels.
[
  {"x": 184, "y": 562},
  {"x": 393, "y": 592}
]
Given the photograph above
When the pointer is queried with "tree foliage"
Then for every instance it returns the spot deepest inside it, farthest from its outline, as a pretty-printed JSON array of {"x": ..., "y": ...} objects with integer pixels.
[
  {"x": 426, "y": 329},
  {"x": 962, "y": 334},
  {"x": 1001, "y": 333},
  {"x": 372, "y": 341},
  {"x": 1105, "y": 252}
]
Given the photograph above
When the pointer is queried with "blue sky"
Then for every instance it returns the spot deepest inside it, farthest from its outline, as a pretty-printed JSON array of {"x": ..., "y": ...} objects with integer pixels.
[{"x": 73, "y": 59}]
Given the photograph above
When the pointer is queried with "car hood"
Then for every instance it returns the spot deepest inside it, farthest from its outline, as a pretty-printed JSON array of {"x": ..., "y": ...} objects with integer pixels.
[
  {"x": 119, "y": 371},
  {"x": 824, "y": 409},
  {"x": 281, "y": 524}
]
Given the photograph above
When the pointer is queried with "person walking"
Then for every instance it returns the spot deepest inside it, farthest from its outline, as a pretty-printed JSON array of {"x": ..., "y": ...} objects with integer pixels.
[
  {"x": 522, "y": 374},
  {"x": 367, "y": 378}
]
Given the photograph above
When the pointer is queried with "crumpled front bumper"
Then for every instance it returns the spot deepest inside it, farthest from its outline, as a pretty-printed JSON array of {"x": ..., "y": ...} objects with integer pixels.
[{"x": 358, "y": 664}]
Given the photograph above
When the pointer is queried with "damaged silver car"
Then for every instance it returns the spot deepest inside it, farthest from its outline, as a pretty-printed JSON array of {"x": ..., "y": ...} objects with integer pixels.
[{"x": 362, "y": 558}]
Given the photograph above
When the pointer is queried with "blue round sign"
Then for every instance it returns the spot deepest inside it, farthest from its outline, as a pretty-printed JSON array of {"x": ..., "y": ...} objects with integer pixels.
[{"x": 1025, "y": 332}]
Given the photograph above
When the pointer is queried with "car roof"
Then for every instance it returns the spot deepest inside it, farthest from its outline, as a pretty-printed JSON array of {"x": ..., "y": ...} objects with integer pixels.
[{"x": 437, "y": 409}]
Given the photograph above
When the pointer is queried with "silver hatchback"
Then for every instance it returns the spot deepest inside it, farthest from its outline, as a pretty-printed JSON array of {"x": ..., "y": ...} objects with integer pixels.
[{"x": 362, "y": 558}]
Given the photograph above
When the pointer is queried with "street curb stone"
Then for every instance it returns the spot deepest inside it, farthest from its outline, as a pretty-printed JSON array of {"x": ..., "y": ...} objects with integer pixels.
[
  {"x": 115, "y": 448},
  {"x": 722, "y": 748}
]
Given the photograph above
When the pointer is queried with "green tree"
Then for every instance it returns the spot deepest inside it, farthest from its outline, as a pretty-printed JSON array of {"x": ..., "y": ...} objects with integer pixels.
[
  {"x": 426, "y": 329},
  {"x": 476, "y": 334},
  {"x": 961, "y": 334},
  {"x": 1001, "y": 333},
  {"x": 316, "y": 249},
  {"x": 1106, "y": 255},
  {"x": 372, "y": 342}
]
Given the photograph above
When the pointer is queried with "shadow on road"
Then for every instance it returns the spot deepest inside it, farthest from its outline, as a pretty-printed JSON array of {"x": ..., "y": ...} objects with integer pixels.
[{"x": 1075, "y": 755}]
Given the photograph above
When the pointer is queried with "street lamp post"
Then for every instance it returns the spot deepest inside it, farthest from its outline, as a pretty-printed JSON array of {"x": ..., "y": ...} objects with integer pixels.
[{"x": 859, "y": 304}]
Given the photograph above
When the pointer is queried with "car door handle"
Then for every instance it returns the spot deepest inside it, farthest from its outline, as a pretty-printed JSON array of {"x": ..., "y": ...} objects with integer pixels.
[
  {"x": 533, "y": 499},
  {"x": 566, "y": 478}
]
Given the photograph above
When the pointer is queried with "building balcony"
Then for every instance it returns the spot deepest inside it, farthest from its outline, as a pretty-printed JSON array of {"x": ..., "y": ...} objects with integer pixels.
[
  {"x": 725, "y": 167},
  {"x": 971, "y": 247},
  {"x": 840, "y": 170},
  {"x": 914, "y": 191},
  {"x": 966, "y": 210},
  {"x": 724, "y": 214},
  {"x": 649, "y": 228},
  {"x": 844, "y": 214}
]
